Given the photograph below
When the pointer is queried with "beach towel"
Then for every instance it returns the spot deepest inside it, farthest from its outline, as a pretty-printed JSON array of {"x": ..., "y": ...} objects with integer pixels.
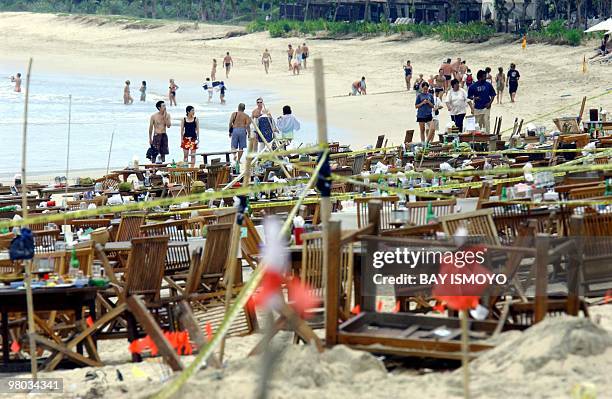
[{"x": 265, "y": 124}]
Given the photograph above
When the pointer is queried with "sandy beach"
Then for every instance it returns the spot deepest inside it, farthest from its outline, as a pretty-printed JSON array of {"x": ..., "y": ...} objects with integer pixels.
[{"x": 551, "y": 75}]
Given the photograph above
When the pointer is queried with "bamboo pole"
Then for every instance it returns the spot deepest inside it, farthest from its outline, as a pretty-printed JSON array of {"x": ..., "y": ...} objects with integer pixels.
[
  {"x": 68, "y": 152},
  {"x": 230, "y": 264},
  {"x": 325, "y": 207},
  {"x": 110, "y": 150},
  {"x": 24, "y": 210}
]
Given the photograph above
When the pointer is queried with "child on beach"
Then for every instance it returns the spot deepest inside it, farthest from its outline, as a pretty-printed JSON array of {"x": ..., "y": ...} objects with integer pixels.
[
  {"x": 500, "y": 82},
  {"x": 358, "y": 87},
  {"x": 143, "y": 91},
  {"x": 172, "y": 92},
  {"x": 418, "y": 82},
  {"x": 127, "y": 98},
  {"x": 208, "y": 86},
  {"x": 468, "y": 78}
]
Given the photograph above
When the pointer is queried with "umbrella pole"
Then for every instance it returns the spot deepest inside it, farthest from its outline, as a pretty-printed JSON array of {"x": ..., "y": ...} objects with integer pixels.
[{"x": 24, "y": 213}]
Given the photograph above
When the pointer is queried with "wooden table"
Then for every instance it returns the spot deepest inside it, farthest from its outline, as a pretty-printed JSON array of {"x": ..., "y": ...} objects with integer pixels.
[
  {"x": 45, "y": 299},
  {"x": 205, "y": 155}
]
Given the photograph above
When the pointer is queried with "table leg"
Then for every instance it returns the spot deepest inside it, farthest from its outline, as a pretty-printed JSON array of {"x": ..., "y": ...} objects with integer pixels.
[
  {"x": 227, "y": 157},
  {"x": 5, "y": 338},
  {"x": 78, "y": 316},
  {"x": 205, "y": 159}
]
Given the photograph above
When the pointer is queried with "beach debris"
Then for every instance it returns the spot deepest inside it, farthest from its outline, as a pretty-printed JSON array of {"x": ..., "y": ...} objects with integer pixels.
[{"x": 584, "y": 390}]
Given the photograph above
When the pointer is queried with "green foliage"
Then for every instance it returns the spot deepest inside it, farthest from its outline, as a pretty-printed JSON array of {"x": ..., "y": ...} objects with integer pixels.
[
  {"x": 466, "y": 33},
  {"x": 558, "y": 33}
]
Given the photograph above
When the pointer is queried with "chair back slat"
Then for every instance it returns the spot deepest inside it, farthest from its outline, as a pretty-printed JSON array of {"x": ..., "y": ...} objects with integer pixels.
[
  {"x": 251, "y": 244},
  {"x": 89, "y": 224},
  {"x": 44, "y": 240},
  {"x": 389, "y": 205},
  {"x": 478, "y": 223},
  {"x": 417, "y": 210},
  {"x": 177, "y": 257},
  {"x": 216, "y": 251}
]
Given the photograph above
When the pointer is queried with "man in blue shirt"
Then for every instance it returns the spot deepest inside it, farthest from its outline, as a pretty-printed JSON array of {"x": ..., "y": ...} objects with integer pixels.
[{"x": 483, "y": 94}]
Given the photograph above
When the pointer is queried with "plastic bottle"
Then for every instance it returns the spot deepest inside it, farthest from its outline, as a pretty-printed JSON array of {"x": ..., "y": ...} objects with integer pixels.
[
  {"x": 608, "y": 187},
  {"x": 504, "y": 194},
  {"x": 431, "y": 216},
  {"x": 74, "y": 265},
  {"x": 147, "y": 179}
]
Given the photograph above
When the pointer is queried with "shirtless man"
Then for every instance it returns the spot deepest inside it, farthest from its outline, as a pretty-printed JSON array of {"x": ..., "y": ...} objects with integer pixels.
[
  {"x": 17, "y": 81},
  {"x": 266, "y": 127},
  {"x": 158, "y": 124},
  {"x": 456, "y": 66},
  {"x": 447, "y": 70},
  {"x": 127, "y": 97},
  {"x": 463, "y": 68},
  {"x": 266, "y": 60},
  {"x": 305, "y": 53},
  {"x": 289, "y": 55},
  {"x": 240, "y": 129},
  {"x": 229, "y": 63}
]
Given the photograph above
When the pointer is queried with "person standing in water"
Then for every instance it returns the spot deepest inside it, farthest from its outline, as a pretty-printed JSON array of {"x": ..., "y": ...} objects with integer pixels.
[
  {"x": 143, "y": 91},
  {"x": 172, "y": 92},
  {"x": 287, "y": 125},
  {"x": 263, "y": 120},
  {"x": 222, "y": 93},
  {"x": 408, "y": 74},
  {"x": 190, "y": 135},
  {"x": 127, "y": 98},
  {"x": 209, "y": 88},
  {"x": 500, "y": 84},
  {"x": 266, "y": 60},
  {"x": 229, "y": 63},
  {"x": 213, "y": 71},
  {"x": 158, "y": 124},
  {"x": 305, "y": 53},
  {"x": 17, "y": 80},
  {"x": 239, "y": 130}
]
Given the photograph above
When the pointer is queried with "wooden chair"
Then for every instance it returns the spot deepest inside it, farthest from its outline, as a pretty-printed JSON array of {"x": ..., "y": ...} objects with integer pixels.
[
  {"x": 44, "y": 240},
  {"x": 8, "y": 266},
  {"x": 217, "y": 175},
  {"x": 184, "y": 177},
  {"x": 197, "y": 226},
  {"x": 389, "y": 204},
  {"x": 110, "y": 181},
  {"x": 408, "y": 137},
  {"x": 250, "y": 245},
  {"x": 379, "y": 141},
  {"x": 225, "y": 215},
  {"x": 84, "y": 254},
  {"x": 586, "y": 192},
  {"x": 593, "y": 230},
  {"x": 311, "y": 272},
  {"x": 478, "y": 223},
  {"x": 417, "y": 211},
  {"x": 129, "y": 227},
  {"x": 177, "y": 257}
]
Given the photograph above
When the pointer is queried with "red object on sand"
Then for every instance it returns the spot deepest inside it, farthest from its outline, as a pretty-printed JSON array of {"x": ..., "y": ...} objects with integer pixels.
[
  {"x": 461, "y": 296},
  {"x": 301, "y": 297}
]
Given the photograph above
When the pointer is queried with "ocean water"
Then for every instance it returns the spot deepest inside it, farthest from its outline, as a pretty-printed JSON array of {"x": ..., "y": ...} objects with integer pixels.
[{"x": 98, "y": 111}]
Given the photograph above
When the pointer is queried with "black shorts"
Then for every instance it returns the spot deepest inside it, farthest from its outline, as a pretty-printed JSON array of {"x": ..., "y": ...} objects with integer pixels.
[
  {"x": 228, "y": 65},
  {"x": 160, "y": 142},
  {"x": 512, "y": 86},
  {"x": 425, "y": 119},
  {"x": 438, "y": 90},
  {"x": 448, "y": 77}
]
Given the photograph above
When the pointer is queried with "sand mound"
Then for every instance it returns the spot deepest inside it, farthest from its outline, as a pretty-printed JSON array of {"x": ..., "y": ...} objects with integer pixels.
[{"x": 554, "y": 339}]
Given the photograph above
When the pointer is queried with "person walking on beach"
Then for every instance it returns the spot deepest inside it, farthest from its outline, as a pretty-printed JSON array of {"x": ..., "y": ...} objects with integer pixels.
[
  {"x": 287, "y": 125},
  {"x": 435, "y": 115},
  {"x": 513, "y": 79},
  {"x": 172, "y": 88},
  {"x": 305, "y": 53},
  {"x": 500, "y": 84},
  {"x": 208, "y": 86},
  {"x": 17, "y": 80},
  {"x": 289, "y": 55},
  {"x": 418, "y": 82},
  {"x": 239, "y": 130},
  {"x": 439, "y": 83},
  {"x": 222, "y": 93},
  {"x": 358, "y": 87},
  {"x": 447, "y": 72},
  {"x": 298, "y": 55},
  {"x": 468, "y": 79},
  {"x": 266, "y": 60},
  {"x": 489, "y": 77},
  {"x": 127, "y": 98},
  {"x": 408, "y": 74},
  {"x": 159, "y": 122},
  {"x": 424, "y": 105},
  {"x": 456, "y": 67},
  {"x": 213, "y": 71},
  {"x": 263, "y": 120},
  {"x": 295, "y": 65},
  {"x": 463, "y": 69},
  {"x": 457, "y": 102},
  {"x": 483, "y": 94},
  {"x": 143, "y": 91},
  {"x": 190, "y": 135},
  {"x": 229, "y": 63}
]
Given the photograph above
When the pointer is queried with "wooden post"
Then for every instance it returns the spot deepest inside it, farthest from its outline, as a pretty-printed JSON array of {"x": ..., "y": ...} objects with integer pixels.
[
  {"x": 230, "y": 263},
  {"x": 541, "y": 273},
  {"x": 573, "y": 273},
  {"x": 332, "y": 289},
  {"x": 24, "y": 214},
  {"x": 325, "y": 208}
]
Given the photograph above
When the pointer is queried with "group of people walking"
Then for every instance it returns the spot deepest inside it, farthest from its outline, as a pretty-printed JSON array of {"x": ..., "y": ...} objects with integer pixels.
[{"x": 455, "y": 89}]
